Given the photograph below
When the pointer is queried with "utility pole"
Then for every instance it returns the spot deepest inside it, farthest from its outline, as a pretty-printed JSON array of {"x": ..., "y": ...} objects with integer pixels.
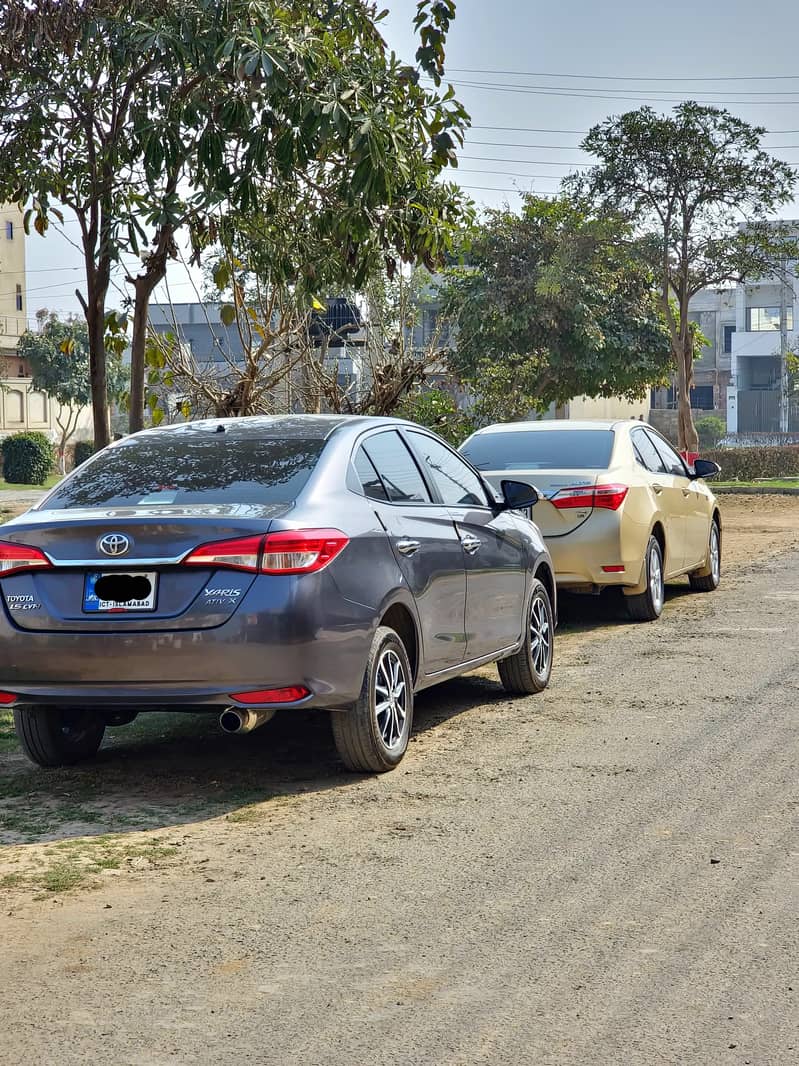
[{"x": 784, "y": 398}]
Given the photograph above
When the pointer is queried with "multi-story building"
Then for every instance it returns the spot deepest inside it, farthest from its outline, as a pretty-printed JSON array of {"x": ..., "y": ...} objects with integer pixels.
[{"x": 741, "y": 375}]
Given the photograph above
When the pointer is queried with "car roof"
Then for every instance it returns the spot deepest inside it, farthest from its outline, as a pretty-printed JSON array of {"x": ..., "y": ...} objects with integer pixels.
[
  {"x": 559, "y": 423},
  {"x": 262, "y": 427}
]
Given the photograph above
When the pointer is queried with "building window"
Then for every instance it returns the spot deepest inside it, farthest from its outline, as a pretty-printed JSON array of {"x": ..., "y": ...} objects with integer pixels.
[
  {"x": 763, "y": 319},
  {"x": 10, "y": 231},
  {"x": 728, "y": 332},
  {"x": 19, "y": 297},
  {"x": 702, "y": 397}
]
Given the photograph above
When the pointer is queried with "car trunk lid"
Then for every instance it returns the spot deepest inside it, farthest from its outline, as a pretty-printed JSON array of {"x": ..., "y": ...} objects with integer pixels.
[{"x": 551, "y": 520}]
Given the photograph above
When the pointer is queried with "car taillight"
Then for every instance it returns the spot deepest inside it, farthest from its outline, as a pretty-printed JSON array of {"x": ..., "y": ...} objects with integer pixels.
[
  {"x": 15, "y": 558},
  {"x": 7, "y": 698},
  {"x": 293, "y": 551},
  {"x": 609, "y": 497},
  {"x": 243, "y": 553},
  {"x": 301, "y": 551}
]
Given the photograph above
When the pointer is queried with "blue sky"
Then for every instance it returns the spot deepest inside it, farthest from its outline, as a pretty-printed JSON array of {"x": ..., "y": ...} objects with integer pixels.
[{"x": 575, "y": 63}]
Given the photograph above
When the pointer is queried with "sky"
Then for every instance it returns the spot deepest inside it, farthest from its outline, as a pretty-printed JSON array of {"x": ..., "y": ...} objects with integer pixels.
[{"x": 536, "y": 77}]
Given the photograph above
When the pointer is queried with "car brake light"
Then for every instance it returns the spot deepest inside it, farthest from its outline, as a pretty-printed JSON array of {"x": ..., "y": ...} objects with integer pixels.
[
  {"x": 7, "y": 698},
  {"x": 272, "y": 695},
  {"x": 609, "y": 497},
  {"x": 301, "y": 551},
  {"x": 15, "y": 558},
  {"x": 244, "y": 553},
  {"x": 293, "y": 551}
]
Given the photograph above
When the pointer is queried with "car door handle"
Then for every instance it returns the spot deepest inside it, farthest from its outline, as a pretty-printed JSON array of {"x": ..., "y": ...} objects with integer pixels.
[
  {"x": 408, "y": 547},
  {"x": 471, "y": 544},
  {"x": 687, "y": 492},
  {"x": 658, "y": 488}
]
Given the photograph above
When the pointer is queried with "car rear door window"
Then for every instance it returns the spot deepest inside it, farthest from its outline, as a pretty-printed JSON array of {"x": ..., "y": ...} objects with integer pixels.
[
  {"x": 397, "y": 468},
  {"x": 647, "y": 453},
  {"x": 673, "y": 463},
  {"x": 456, "y": 483},
  {"x": 369, "y": 478}
]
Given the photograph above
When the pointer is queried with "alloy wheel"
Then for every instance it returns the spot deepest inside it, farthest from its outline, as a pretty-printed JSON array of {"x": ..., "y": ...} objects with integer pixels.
[
  {"x": 391, "y": 698},
  {"x": 656, "y": 587},
  {"x": 540, "y": 636},
  {"x": 715, "y": 554}
]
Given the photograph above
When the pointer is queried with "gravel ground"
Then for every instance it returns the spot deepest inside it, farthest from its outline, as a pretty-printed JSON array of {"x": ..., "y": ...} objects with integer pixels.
[{"x": 606, "y": 873}]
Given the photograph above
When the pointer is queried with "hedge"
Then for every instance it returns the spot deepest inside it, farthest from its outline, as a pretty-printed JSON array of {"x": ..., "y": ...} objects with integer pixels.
[
  {"x": 83, "y": 450},
  {"x": 28, "y": 458},
  {"x": 748, "y": 464}
]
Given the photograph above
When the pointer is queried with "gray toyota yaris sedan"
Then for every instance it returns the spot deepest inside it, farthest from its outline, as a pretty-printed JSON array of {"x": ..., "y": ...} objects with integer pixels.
[{"x": 247, "y": 565}]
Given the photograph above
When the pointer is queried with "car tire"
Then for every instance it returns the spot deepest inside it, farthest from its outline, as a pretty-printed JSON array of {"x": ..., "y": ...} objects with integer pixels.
[
  {"x": 372, "y": 736},
  {"x": 529, "y": 670},
  {"x": 58, "y": 736},
  {"x": 648, "y": 606},
  {"x": 708, "y": 578}
]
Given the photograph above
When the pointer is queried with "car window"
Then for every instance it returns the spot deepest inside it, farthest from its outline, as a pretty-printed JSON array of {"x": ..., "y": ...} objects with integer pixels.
[
  {"x": 541, "y": 449},
  {"x": 673, "y": 462},
  {"x": 456, "y": 483},
  {"x": 647, "y": 453},
  {"x": 369, "y": 478},
  {"x": 155, "y": 470},
  {"x": 397, "y": 468}
]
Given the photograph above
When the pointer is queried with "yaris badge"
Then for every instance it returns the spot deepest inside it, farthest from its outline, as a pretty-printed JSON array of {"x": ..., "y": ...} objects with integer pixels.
[{"x": 114, "y": 544}]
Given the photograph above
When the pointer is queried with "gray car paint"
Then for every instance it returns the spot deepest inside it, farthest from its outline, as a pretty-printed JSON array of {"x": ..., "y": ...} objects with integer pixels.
[{"x": 311, "y": 629}]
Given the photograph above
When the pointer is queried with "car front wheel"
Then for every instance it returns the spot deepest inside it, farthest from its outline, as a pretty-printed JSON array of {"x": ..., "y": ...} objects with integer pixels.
[
  {"x": 373, "y": 735},
  {"x": 529, "y": 670},
  {"x": 648, "y": 606},
  {"x": 58, "y": 736}
]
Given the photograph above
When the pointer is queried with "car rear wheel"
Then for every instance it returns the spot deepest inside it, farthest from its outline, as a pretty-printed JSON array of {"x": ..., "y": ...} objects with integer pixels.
[
  {"x": 373, "y": 735},
  {"x": 648, "y": 606},
  {"x": 707, "y": 579},
  {"x": 529, "y": 670},
  {"x": 58, "y": 736}
]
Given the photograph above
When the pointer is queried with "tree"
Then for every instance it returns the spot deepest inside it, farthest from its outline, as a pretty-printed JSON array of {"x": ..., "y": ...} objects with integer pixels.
[
  {"x": 144, "y": 119},
  {"x": 698, "y": 189},
  {"x": 553, "y": 303},
  {"x": 58, "y": 355}
]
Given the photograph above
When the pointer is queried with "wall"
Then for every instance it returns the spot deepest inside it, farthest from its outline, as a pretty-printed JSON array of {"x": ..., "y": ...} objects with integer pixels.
[
  {"x": 12, "y": 273},
  {"x": 606, "y": 407}
]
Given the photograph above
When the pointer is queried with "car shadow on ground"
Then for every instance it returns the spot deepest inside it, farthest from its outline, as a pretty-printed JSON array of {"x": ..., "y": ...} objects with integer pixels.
[
  {"x": 167, "y": 770},
  {"x": 578, "y": 613}
]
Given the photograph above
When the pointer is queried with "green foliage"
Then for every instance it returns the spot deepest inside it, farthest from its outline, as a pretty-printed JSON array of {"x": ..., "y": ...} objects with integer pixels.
[
  {"x": 553, "y": 305},
  {"x": 686, "y": 182},
  {"x": 84, "y": 449},
  {"x": 438, "y": 411},
  {"x": 27, "y": 458},
  {"x": 710, "y": 429},
  {"x": 747, "y": 464},
  {"x": 58, "y": 354}
]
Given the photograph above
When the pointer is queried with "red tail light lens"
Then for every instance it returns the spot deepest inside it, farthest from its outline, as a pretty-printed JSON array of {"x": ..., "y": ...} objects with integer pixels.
[
  {"x": 610, "y": 497},
  {"x": 272, "y": 695},
  {"x": 15, "y": 558},
  {"x": 294, "y": 551},
  {"x": 7, "y": 698},
  {"x": 243, "y": 553},
  {"x": 301, "y": 551}
]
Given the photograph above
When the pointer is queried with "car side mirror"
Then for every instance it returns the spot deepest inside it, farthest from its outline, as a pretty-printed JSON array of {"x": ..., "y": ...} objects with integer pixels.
[
  {"x": 517, "y": 495},
  {"x": 705, "y": 468}
]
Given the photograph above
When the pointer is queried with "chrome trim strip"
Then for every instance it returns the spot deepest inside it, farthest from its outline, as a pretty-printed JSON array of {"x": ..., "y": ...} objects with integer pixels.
[{"x": 106, "y": 563}]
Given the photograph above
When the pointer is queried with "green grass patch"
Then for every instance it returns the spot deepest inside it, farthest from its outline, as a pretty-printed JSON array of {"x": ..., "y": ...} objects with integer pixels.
[
  {"x": 51, "y": 482},
  {"x": 8, "y": 738},
  {"x": 760, "y": 483}
]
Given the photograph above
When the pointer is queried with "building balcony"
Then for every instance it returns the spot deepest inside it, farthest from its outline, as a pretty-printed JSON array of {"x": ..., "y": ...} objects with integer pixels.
[{"x": 763, "y": 344}]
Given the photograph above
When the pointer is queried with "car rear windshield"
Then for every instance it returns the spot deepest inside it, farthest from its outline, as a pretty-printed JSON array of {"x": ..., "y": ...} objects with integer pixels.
[
  {"x": 542, "y": 449},
  {"x": 179, "y": 469}
]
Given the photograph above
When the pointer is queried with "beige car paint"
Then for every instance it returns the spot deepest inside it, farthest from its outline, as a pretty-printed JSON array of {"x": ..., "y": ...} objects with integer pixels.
[{"x": 583, "y": 540}]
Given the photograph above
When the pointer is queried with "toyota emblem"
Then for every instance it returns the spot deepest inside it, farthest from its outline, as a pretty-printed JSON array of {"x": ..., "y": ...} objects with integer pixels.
[{"x": 114, "y": 544}]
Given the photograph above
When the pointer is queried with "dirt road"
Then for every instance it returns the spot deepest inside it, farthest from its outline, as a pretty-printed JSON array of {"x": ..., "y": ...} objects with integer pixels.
[{"x": 607, "y": 873}]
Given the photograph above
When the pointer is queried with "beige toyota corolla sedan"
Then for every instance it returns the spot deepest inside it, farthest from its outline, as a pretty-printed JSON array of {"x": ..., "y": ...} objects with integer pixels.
[{"x": 618, "y": 505}]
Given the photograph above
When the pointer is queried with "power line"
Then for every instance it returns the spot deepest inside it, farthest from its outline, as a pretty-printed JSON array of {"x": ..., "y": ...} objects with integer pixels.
[
  {"x": 532, "y": 162},
  {"x": 630, "y": 77},
  {"x": 576, "y": 133},
  {"x": 603, "y": 94}
]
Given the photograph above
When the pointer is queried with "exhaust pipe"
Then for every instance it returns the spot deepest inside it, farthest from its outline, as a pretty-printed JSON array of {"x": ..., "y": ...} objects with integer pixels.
[{"x": 244, "y": 719}]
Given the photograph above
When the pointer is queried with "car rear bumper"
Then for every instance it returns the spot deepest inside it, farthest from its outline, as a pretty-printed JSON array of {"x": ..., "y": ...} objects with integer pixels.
[
  {"x": 316, "y": 639},
  {"x": 590, "y": 557}
]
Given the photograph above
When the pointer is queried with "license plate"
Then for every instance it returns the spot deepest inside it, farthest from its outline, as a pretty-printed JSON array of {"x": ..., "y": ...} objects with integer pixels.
[{"x": 137, "y": 591}]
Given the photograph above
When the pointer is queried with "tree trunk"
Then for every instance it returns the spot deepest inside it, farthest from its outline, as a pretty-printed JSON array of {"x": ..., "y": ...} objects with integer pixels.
[
  {"x": 688, "y": 439},
  {"x": 144, "y": 286},
  {"x": 95, "y": 320}
]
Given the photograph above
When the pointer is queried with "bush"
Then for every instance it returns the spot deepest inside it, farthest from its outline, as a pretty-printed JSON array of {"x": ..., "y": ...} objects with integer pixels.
[
  {"x": 748, "y": 464},
  {"x": 83, "y": 450},
  {"x": 28, "y": 458},
  {"x": 711, "y": 429}
]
